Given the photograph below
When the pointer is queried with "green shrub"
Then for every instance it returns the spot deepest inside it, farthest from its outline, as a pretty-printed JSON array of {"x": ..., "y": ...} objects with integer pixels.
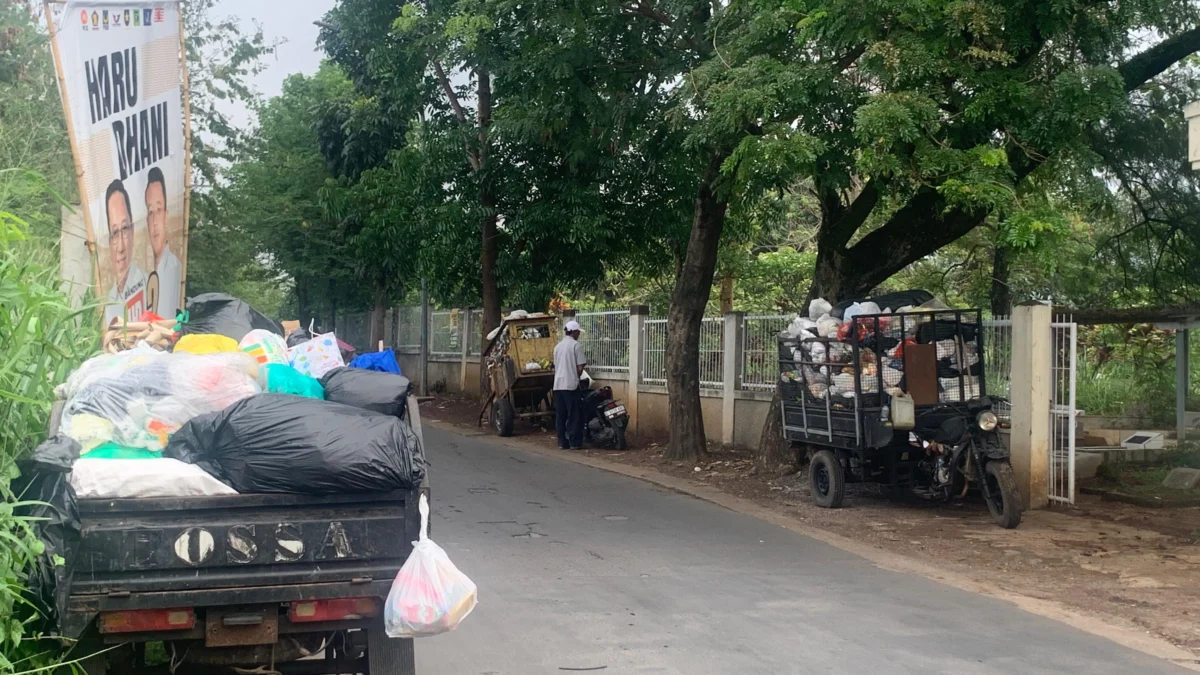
[{"x": 43, "y": 340}]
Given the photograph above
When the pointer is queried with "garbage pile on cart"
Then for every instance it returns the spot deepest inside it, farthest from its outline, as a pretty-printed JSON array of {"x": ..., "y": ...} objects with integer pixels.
[
  {"x": 854, "y": 354},
  {"x": 220, "y": 404}
]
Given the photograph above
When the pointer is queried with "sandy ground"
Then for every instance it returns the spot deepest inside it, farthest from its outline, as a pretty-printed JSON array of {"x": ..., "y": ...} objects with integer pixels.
[{"x": 1132, "y": 567}]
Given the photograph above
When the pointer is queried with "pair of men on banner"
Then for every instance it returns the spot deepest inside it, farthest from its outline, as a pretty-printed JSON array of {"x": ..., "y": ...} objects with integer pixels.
[{"x": 133, "y": 291}]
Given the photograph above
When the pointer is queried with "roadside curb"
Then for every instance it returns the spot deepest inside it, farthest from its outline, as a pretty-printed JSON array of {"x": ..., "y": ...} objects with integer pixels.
[{"x": 1089, "y": 623}]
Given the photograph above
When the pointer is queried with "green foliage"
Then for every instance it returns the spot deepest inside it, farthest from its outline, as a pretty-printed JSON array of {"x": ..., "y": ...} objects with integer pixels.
[
  {"x": 32, "y": 131},
  {"x": 44, "y": 340}
]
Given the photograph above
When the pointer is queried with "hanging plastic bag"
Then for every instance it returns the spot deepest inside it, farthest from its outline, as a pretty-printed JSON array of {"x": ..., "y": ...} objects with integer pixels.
[
  {"x": 317, "y": 356},
  {"x": 430, "y": 596}
]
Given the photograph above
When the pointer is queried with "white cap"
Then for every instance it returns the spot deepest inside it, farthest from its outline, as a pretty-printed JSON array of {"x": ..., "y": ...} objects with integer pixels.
[{"x": 573, "y": 326}]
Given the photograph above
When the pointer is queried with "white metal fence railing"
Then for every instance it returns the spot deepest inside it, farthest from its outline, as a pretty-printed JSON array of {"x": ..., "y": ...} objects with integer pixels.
[
  {"x": 712, "y": 353},
  {"x": 997, "y": 361},
  {"x": 760, "y": 351},
  {"x": 476, "y": 338},
  {"x": 605, "y": 339},
  {"x": 408, "y": 328},
  {"x": 355, "y": 329},
  {"x": 1062, "y": 412},
  {"x": 444, "y": 333},
  {"x": 654, "y": 352}
]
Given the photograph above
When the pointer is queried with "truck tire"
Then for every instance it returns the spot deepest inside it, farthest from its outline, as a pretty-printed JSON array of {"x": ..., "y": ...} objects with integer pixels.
[
  {"x": 389, "y": 656},
  {"x": 502, "y": 417},
  {"x": 828, "y": 480},
  {"x": 1003, "y": 498}
]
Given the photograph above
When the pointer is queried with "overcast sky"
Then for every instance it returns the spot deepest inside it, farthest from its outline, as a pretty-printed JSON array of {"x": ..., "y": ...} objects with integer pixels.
[{"x": 287, "y": 20}]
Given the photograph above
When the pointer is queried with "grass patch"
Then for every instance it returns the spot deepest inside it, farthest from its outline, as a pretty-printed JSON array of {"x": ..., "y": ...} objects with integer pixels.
[{"x": 1145, "y": 480}]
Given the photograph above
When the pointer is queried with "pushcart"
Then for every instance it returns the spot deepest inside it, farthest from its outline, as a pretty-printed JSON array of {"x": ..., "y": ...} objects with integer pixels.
[{"x": 518, "y": 372}]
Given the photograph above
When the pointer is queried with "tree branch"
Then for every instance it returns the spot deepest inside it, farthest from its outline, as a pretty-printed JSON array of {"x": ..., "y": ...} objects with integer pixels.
[
  {"x": 452, "y": 98},
  {"x": 918, "y": 229},
  {"x": 1149, "y": 64}
]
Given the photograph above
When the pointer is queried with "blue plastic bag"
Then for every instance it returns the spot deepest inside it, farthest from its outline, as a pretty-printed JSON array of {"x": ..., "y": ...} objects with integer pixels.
[{"x": 383, "y": 362}]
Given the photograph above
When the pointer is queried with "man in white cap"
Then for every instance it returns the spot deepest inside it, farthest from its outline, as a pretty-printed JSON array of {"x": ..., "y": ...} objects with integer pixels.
[{"x": 568, "y": 366}]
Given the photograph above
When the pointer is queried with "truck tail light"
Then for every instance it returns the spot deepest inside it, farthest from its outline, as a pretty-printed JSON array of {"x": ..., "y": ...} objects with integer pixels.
[
  {"x": 339, "y": 609},
  {"x": 146, "y": 620}
]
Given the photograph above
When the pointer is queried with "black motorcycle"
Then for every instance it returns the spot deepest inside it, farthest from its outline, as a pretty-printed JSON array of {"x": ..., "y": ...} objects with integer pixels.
[
  {"x": 604, "y": 419},
  {"x": 961, "y": 450}
]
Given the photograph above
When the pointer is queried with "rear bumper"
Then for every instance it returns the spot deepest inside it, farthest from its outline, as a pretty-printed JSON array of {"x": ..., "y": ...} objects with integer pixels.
[{"x": 83, "y": 609}]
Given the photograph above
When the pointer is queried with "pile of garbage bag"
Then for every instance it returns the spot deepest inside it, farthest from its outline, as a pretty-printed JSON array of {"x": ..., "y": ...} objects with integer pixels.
[
  {"x": 222, "y": 405},
  {"x": 817, "y": 351}
]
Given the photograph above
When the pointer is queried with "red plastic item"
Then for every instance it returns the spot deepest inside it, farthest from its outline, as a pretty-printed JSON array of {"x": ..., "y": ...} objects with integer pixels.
[
  {"x": 338, "y": 609},
  {"x": 150, "y": 316}
]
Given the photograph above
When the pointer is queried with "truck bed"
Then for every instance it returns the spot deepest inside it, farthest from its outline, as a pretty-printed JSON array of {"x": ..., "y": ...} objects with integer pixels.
[{"x": 238, "y": 549}]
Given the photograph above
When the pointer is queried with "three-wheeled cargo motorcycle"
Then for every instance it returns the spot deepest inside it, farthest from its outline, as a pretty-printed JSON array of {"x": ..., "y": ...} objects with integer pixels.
[{"x": 899, "y": 400}]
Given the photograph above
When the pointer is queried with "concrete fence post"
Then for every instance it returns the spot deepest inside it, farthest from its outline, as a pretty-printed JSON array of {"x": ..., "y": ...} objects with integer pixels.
[
  {"x": 731, "y": 377},
  {"x": 465, "y": 331},
  {"x": 1030, "y": 398},
  {"x": 637, "y": 335}
]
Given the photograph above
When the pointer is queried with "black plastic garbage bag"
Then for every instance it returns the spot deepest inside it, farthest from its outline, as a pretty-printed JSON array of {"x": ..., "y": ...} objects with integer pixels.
[
  {"x": 45, "y": 486},
  {"x": 282, "y": 443},
  {"x": 225, "y": 315},
  {"x": 298, "y": 337},
  {"x": 367, "y": 389}
]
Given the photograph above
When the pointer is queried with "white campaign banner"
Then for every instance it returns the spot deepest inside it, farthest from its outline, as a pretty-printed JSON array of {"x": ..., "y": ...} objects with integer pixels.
[{"x": 122, "y": 72}]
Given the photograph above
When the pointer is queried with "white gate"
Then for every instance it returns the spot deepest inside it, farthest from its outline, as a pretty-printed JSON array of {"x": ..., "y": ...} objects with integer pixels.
[{"x": 1062, "y": 411}]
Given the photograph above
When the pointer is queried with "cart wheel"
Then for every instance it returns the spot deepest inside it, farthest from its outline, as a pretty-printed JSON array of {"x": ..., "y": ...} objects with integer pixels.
[
  {"x": 502, "y": 417},
  {"x": 1003, "y": 500},
  {"x": 828, "y": 480}
]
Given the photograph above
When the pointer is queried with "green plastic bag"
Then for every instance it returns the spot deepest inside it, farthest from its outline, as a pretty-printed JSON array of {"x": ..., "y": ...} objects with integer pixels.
[
  {"x": 279, "y": 378},
  {"x": 112, "y": 450}
]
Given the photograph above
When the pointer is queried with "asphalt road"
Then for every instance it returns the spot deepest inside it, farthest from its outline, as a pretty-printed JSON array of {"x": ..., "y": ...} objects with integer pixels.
[{"x": 580, "y": 570}]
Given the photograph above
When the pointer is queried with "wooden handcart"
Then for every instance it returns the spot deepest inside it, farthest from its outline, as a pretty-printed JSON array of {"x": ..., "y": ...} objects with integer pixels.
[{"x": 518, "y": 372}]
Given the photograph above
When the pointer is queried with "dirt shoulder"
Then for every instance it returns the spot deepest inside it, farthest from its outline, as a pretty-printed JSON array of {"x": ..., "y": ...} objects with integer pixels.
[{"x": 1126, "y": 572}]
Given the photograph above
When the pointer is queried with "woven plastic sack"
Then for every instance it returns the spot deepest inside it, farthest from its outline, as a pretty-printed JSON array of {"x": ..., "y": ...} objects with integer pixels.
[
  {"x": 317, "y": 356},
  {"x": 265, "y": 346},
  {"x": 209, "y": 343},
  {"x": 430, "y": 596}
]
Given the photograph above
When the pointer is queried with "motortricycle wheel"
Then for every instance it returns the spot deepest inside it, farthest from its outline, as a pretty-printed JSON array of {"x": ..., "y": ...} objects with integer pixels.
[
  {"x": 828, "y": 480},
  {"x": 502, "y": 417},
  {"x": 1003, "y": 498}
]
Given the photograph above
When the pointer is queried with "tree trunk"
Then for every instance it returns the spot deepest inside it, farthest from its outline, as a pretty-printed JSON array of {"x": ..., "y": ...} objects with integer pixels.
[
  {"x": 684, "y": 319},
  {"x": 378, "y": 312},
  {"x": 490, "y": 247},
  {"x": 727, "y": 294},
  {"x": 835, "y": 280},
  {"x": 773, "y": 450},
  {"x": 1001, "y": 292}
]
